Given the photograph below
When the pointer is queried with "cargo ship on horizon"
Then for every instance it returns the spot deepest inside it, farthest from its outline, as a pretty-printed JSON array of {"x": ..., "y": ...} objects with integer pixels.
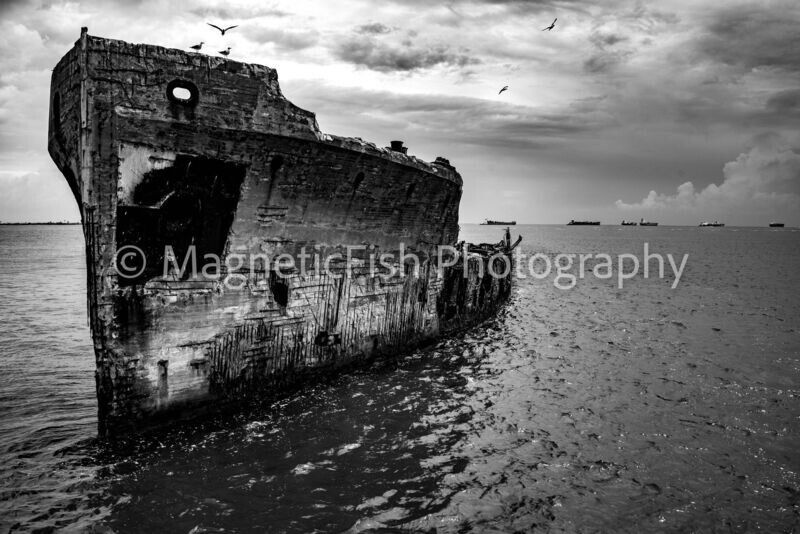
[
  {"x": 641, "y": 222},
  {"x": 498, "y": 223},
  {"x": 583, "y": 223},
  {"x": 180, "y": 155}
]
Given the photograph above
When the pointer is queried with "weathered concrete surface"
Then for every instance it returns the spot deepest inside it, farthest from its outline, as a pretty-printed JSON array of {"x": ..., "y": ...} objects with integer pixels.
[{"x": 237, "y": 169}]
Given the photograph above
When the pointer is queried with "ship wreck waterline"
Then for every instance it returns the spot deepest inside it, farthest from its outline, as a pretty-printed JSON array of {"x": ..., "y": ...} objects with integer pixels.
[{"x": 166, "y": 148}]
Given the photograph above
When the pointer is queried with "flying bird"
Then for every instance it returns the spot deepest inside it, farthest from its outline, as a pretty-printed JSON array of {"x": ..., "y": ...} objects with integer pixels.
[
  {"x": 505, "y": 88},
  {"x": 553, "y": 25},
  {"x": 225, "y": 52},
  {"x": 223, "y": 30},
  {"x": 197, "y": 46}
]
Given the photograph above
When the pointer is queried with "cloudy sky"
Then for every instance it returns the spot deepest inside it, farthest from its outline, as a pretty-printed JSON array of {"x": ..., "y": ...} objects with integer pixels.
[{"x": 676, "y": 111}]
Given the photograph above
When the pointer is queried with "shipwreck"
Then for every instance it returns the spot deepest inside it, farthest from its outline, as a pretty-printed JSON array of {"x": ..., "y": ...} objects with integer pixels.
[{"x": 177, "y": 155}]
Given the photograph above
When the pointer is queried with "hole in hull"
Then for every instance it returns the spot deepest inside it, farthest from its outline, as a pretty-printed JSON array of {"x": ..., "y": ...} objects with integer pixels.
[
  {"x": 182, "y": 92},
  {"x": 191, "y": 204}
]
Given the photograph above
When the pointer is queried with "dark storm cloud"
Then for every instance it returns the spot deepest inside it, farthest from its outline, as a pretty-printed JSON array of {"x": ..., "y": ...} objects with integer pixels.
[
  {"x": 531, "y": 5},
  {"x": 375, "y": 54},
  {"x": 605, "y": 61},
  {"x": 785, "y": 101},
  {"x": 8, "y": 5},
  {"x": 613, "y": 47},
  {"x": 374, "y": 28},
  {"x": 289, "y": 40},
  {"x": 607, "y": 54},
  {"x": 598, "y": 63},
  {"x": 751, "y": 36},
  {"x": 708, "y": 105},
  {"x": 544, "y": 7},
  {"x": 646, "y": 18},
  {"x": 474, "y": 121},
  {"x": 228, "y": 13},
  {"x": 458, "y": 13},
  {"x": 604, "y": 40}
]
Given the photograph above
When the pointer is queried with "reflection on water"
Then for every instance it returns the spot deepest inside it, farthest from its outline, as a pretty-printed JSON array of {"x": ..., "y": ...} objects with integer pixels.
[{"x": 597, "y": 408}]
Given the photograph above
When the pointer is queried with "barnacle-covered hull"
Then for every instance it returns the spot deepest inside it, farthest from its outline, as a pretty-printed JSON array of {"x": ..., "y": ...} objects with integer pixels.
[{"x": 180, "y": 164}]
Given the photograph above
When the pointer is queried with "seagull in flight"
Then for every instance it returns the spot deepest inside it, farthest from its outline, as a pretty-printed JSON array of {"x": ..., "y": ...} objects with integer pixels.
[
  {"x": 223, "y": 30},
  {"x": 197, "y": 46},
  {"x": 553, "y": 25},
  {"x": 225, "y": 53},
  {"x": 505, "y": 88}
]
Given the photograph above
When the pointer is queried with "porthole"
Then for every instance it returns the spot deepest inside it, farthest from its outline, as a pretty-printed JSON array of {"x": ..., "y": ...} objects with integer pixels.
[{"x": 183, "y": 92}]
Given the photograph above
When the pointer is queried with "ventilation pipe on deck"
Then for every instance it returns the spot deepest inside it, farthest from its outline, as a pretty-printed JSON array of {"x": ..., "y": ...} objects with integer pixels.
[{"x": 397, "y": 146}]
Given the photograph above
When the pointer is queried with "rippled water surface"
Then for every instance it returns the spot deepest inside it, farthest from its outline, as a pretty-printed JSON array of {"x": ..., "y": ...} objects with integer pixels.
[{"x": 593, "y": 409}]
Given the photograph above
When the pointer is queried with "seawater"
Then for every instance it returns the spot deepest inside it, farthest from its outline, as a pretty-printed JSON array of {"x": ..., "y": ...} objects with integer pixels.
[{"x": 598, "y": 408}]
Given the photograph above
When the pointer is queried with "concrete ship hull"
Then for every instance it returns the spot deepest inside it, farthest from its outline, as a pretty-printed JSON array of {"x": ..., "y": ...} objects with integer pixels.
[{"x": 182, "y": 156}]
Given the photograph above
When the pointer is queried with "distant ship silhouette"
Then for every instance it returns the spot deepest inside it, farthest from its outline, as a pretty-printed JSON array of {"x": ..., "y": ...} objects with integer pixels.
[{"x": 499, "y": 223}]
